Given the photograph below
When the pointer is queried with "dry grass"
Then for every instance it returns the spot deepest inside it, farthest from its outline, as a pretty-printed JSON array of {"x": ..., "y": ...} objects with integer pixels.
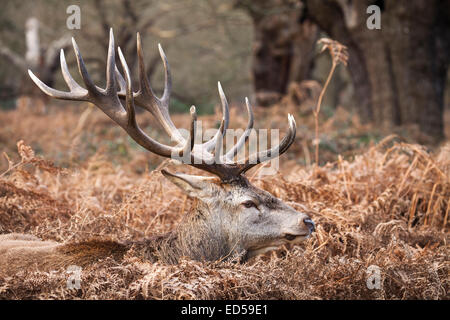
[{"x": 388, "y": 206}]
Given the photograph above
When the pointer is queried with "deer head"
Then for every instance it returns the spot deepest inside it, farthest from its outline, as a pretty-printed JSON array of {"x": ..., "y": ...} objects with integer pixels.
[{"x": 230, "y": 212}]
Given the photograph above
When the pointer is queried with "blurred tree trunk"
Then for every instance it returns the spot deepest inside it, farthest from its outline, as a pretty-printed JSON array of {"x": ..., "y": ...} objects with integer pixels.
[
  {"x": 399, "y": 70},
  {"x": 282, "y": 47},
  {"x": 43, "y": 60}
]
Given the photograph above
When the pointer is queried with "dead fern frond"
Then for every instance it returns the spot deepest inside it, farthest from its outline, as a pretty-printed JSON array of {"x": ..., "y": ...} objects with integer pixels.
[
  {"x": 338, "y": 51},
  {"x": 339, "y": 54}
]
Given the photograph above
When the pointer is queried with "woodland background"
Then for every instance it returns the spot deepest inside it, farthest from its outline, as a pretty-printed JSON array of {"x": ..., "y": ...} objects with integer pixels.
[{"x": 396, "y": 76}]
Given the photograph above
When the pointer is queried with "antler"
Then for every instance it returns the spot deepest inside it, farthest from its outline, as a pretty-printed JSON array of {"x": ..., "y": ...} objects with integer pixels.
[{"x": 206, "y": 156}]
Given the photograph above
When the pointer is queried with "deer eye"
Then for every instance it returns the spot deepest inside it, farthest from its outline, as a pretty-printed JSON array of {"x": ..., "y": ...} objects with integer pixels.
[{"x": 249, "y": 204}]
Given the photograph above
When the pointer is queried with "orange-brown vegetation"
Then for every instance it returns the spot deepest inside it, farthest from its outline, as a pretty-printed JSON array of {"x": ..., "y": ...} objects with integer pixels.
[{"x": 383, "y": 204}]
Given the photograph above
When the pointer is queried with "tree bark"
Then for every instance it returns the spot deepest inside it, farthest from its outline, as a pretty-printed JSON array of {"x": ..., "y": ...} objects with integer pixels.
[
  {"x": 42, "y": 60},
  {"x": 282, "y": 47},
  {"x": 399, "y": 70}
]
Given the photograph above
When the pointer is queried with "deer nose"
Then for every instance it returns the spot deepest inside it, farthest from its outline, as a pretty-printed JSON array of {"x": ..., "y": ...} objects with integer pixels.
[{"x": 309, "y": 224}]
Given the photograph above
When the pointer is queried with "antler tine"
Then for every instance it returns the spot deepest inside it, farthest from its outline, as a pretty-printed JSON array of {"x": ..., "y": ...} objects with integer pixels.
[
  {"x": 189, "y": 146},
  {"x": 129, "y": 101},
  {"x": 168, "y": 77},
  {"x": 90, "y": 86},
  {"x": 293, "y": 129},
  {"x": 111, "y": 66},
  {"x": 145, "y": 87},
  {"x": 71, "y": 83},
  {"x": 106, "y": 99},
  {"x": 121, "y": 83},
  {"x": 274, "y": 152},
  {"x": 244, "y": 137},
  {"x": 213, "y": 143}
]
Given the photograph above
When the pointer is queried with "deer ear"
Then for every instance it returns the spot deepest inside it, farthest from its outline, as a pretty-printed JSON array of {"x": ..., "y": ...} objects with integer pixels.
[{"x": 194, "y": 186}]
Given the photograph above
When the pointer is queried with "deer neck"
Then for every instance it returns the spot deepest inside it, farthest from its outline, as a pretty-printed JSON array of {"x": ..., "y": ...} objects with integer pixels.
[{"x": 199, "y": 236}]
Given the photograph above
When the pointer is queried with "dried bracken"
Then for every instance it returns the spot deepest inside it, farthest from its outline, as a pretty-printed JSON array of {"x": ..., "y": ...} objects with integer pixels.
[
  {"x": 338, "y": 51},
  {"x": 388, "y": 207}
]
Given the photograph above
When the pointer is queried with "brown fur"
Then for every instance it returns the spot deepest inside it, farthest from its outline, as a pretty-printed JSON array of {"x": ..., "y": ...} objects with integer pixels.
[
  {"x": 27, "y": 253},
  {"x": 87, "y": 252}
]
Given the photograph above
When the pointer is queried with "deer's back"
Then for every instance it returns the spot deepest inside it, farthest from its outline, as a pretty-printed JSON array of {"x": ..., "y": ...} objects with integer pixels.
[{"x": 25, "y": 252}]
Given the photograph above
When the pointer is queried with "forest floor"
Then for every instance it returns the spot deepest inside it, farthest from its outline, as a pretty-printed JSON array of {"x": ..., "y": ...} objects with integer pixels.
[{"x": 381, "y": 203}]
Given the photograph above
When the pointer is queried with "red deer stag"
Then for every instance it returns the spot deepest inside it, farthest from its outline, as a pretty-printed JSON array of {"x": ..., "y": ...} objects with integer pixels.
[{"x": 231, "y": 219}]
